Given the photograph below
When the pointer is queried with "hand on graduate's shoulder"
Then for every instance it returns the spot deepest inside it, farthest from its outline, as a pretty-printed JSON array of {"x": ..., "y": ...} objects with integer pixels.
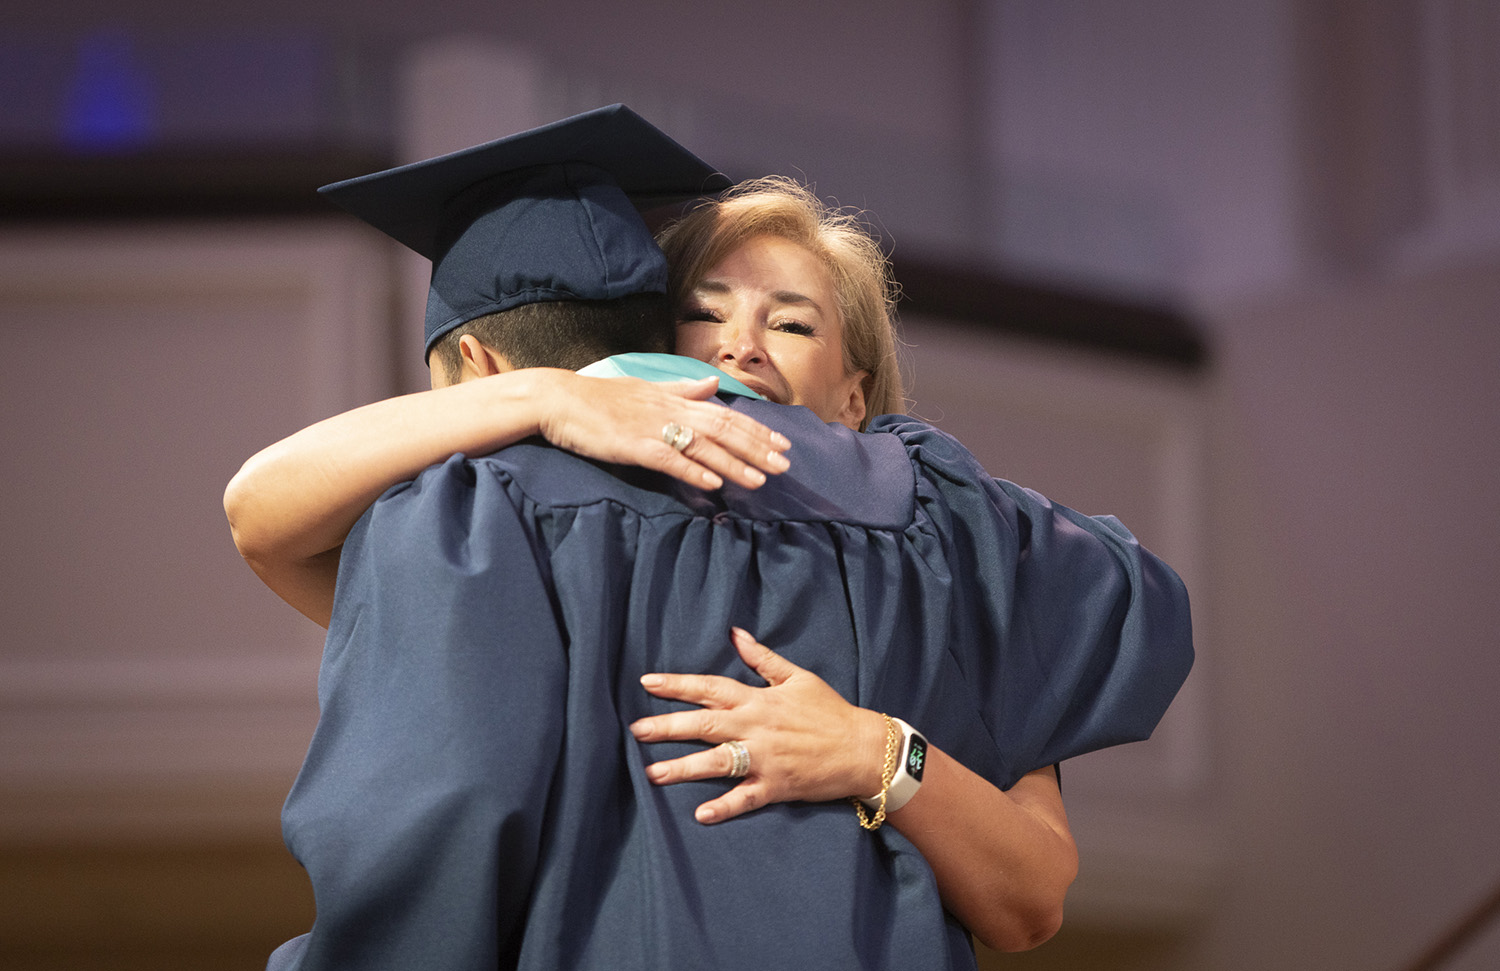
[{"x": 675, "y": 427}]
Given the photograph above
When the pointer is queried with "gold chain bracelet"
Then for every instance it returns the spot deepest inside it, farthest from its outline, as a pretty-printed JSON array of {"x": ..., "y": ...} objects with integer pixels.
[{"x": 887, "y": 773}]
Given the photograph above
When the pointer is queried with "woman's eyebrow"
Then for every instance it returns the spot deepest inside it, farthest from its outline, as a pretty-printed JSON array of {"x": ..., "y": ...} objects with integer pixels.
[
  {"x": 719, "y": 287},
  {"x": 792, "y": 296}
]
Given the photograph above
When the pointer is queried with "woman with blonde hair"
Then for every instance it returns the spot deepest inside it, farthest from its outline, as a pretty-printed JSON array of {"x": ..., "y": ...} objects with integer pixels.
[{"x": 859, "y": 271}]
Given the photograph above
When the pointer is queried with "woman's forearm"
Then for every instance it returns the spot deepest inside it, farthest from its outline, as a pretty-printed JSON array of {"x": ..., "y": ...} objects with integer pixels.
[
  {"x": 291, "y": 505},
  {"x": 1003, "y": 860}
]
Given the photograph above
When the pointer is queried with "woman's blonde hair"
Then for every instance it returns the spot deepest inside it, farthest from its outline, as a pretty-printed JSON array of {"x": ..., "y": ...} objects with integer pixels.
[{"x": 861, "y": 274}]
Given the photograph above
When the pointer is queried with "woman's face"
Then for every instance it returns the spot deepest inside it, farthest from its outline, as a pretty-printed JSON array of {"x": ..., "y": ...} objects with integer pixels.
[{"x": 766, "y": 314}]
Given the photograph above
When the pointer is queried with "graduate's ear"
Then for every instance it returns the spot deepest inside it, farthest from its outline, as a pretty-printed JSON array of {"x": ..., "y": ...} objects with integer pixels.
[{"x": 479, "y": 360}]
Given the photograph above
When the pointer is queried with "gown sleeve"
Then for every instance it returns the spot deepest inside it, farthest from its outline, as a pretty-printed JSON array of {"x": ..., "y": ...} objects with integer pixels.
[
  {"x": 418, "y": 811},
  {"x": 1069, "y": 635}
]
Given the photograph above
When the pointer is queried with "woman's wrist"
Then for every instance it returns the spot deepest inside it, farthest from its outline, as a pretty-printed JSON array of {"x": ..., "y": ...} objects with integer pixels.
[
  {"x": 547, "y": 397},
  {"x": 505, "y": 408},
  {"x": 869, "y": 751}
]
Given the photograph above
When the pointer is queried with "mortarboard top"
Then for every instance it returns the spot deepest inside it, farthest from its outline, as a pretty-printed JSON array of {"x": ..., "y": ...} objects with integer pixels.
[{"x": 551, "y": 213}]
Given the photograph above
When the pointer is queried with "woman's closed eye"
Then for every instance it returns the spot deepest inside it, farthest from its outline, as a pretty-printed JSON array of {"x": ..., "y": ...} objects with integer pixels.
[
  {"x": 794, "y": 327},
  {"x": 700, "y": 315}
]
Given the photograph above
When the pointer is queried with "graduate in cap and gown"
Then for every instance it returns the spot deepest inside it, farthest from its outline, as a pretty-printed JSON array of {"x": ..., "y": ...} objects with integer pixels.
[{"x": 476, "y": 794}]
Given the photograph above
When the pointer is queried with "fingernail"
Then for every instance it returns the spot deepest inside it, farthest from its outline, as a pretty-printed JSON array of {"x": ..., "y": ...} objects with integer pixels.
[
  {"x": 712, "y": 481},
  {"x": 780, "y": 440},
  {"x": 778, "y": 460},
  {"x": 651, "y": 680},
  {"x": 756, "y": 476},
  {"x": 704, "y": 815},
  {"x": 655, "y": 772}
]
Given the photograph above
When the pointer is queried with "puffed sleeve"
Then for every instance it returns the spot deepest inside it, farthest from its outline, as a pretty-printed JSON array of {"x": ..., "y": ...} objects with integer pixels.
[{"x": 1069, "y": 634}]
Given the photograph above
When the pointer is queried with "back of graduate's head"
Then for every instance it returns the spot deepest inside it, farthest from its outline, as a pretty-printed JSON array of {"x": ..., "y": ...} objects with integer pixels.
[
  {"x": 539, "y": 252},
  {"x": 555, "y": 333}
]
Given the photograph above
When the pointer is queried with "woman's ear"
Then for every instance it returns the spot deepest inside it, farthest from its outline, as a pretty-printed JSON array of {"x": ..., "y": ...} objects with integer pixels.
[
  {"x": 852, "y": 411},
  {"x": 478, "y": 360}
]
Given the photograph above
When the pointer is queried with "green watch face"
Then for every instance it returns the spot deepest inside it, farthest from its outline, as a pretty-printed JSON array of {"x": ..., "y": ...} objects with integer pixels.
[{"x": 916, "y": 757}]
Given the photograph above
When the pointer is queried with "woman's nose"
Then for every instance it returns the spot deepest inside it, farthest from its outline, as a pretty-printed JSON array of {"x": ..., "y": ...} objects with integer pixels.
[{"x": 742, "y": 345}]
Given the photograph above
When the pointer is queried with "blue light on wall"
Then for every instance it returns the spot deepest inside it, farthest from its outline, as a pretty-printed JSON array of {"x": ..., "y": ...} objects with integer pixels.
[
  {"x": 123, "y": 88},
  {"x": 111, "y": 104}
]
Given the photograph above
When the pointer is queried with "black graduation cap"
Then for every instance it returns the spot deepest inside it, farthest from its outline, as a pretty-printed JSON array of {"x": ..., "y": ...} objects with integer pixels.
[{"x": 552, "y": 213}]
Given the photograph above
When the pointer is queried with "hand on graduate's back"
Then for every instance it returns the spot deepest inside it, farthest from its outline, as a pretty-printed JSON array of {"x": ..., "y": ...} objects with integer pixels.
[
  {"x": 623, "y": 420},
  {"x": 1003, "y": 860},
  {"x": 804, "y": 741}
]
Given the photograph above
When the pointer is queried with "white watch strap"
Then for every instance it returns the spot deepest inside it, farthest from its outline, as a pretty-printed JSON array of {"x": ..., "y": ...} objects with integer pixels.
[{"x": 911, "y": 759}]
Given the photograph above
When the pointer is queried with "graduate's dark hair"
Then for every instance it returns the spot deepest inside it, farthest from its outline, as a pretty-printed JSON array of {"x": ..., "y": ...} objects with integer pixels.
[{"x": 565, "y": 333}]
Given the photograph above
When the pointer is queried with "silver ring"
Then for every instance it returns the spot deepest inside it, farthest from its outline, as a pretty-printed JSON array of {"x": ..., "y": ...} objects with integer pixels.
[
  {"x": 677, "y": 436},
  {"x": 741, "y": 766}
]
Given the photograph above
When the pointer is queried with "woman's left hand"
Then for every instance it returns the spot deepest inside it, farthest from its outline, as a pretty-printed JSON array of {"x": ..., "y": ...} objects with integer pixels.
[{"x": 803, "y": 739}]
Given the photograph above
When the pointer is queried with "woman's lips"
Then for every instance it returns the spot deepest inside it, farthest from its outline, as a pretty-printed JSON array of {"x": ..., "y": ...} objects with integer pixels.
[
  {"x": 759, "y": 387},
  {"x": 761, "y": 390}
]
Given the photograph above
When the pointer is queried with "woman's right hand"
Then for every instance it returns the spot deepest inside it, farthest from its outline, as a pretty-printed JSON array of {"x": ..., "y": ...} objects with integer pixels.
[{"x": 623, "y": 420}]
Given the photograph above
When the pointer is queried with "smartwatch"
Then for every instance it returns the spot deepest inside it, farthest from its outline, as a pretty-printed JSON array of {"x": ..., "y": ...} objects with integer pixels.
[{"x": 911, "y": 758}]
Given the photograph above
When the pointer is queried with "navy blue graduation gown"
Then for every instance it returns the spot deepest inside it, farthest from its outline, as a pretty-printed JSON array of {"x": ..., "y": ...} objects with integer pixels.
[{"x": 473, "y": 798}]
